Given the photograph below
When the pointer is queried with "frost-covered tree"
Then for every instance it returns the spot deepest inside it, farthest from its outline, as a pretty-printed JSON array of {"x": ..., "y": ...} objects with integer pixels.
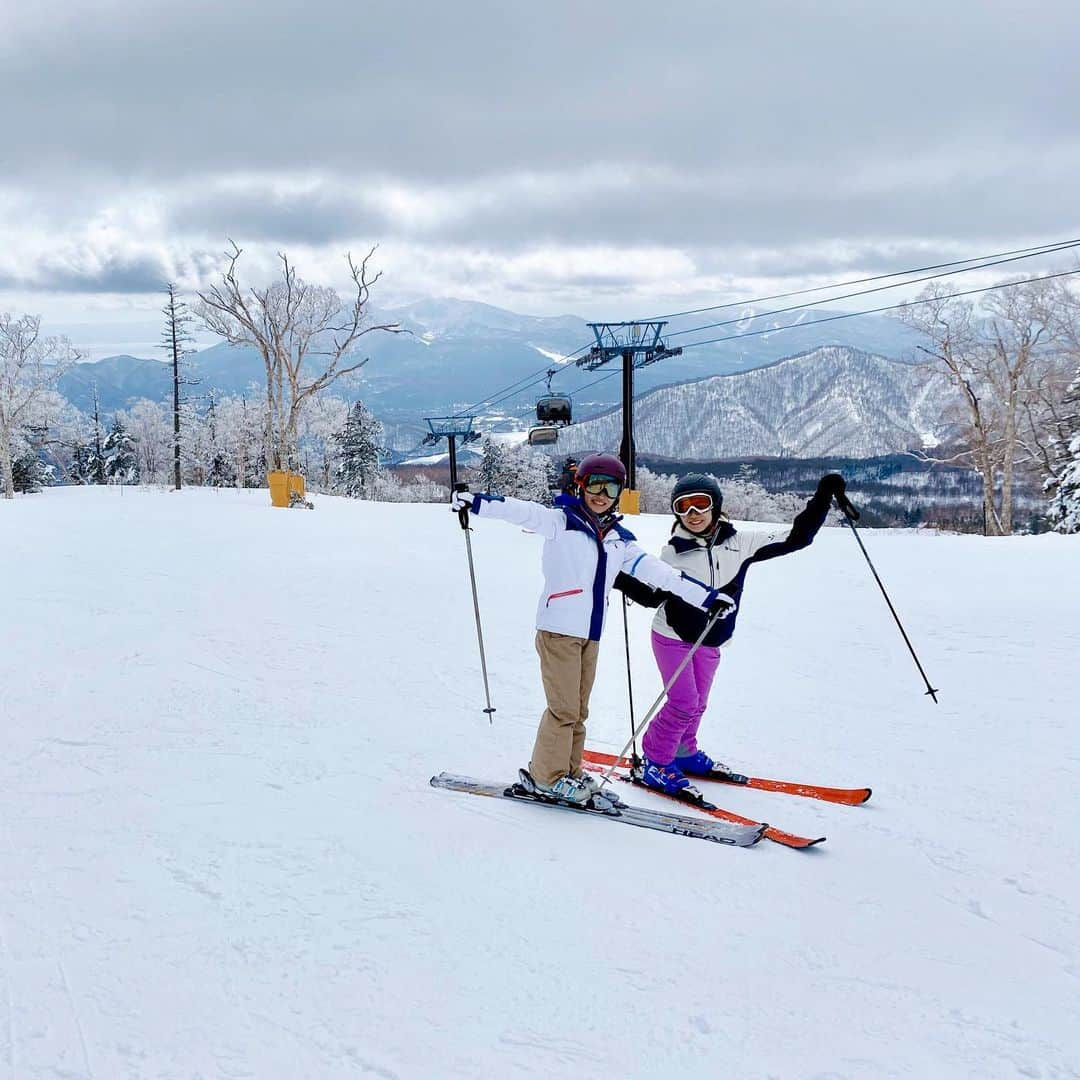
[
  {"x": 220, "y": 472},
  {"x": 518, "y": 471},
  {"x": 307, "y": 335},
  {"x": 242, "y": 425},
  {"x": 320, "y": 451},
  {"x": 176, "y": 340},
  {"x": 30, "y": 472},
  {"x": 1064, "y": 485},
  {"x": 30, "y": 366},
  {"x": 121, "y": 459},
  {"x": 361, "y": 447},
  {"x": 1002, "y": 360},
  {"x": 96, "y": 461},
  {"x": 148, "y": 425}
]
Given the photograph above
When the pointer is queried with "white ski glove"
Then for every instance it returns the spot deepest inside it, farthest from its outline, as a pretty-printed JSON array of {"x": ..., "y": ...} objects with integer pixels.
[{"x": 461, "y": 500}]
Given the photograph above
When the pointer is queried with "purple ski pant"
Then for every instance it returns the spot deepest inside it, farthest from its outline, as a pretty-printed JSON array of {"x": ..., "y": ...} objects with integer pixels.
[{"x": 673, "y": 730}]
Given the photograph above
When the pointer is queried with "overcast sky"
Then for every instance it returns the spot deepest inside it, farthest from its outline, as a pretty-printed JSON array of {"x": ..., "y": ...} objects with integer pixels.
[{"x": 607, "y": 159}]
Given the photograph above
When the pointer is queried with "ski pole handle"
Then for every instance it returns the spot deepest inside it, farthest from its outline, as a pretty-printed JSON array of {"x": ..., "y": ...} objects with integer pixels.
[{"x": 463, "y": 513}]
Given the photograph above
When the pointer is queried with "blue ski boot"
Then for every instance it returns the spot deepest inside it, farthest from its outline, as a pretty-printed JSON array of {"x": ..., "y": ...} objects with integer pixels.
[
  {"x": 666, "y": 778},
  {"x": 700, "y": 764}
]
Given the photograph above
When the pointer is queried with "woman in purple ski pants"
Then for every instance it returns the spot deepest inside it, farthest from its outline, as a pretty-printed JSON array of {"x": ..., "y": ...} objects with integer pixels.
[{"x": 706, "y": 546}]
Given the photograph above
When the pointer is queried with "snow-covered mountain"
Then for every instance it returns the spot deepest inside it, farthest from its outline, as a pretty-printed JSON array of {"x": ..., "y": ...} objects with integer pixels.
[
  {"x": 829, "y": 401},
  {"x": 457, "y": 353}
]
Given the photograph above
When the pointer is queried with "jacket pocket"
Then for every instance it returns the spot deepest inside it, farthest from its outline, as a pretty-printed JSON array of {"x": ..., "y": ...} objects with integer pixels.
[{"x": 558, "y": 595}]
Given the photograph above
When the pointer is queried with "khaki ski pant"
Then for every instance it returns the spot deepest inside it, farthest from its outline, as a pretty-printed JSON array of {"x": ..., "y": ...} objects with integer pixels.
[{"x": 568, "y": 668}]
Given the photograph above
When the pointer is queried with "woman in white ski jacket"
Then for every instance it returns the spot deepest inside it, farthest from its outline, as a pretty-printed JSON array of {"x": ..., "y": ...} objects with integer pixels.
[{"x": 585, "y": 549}]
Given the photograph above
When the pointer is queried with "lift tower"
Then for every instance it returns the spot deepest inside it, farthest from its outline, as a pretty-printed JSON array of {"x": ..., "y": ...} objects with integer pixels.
[{"x": 639, "y": 344}]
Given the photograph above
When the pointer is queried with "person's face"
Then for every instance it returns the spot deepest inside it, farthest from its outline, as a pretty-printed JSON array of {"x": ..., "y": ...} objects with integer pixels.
[
  {"x": 600, "y": 493},
  {"x": 698, "y": 521},
  {"x": 598, "y": 504},
  {"x": 695, "y": 511}
]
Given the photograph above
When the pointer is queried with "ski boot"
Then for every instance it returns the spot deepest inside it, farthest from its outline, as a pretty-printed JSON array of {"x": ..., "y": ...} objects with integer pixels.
[
  {"x": 700, "y": 764},
  {"x": 598, "y": 790},
  {"x": 566, "y": 790}
]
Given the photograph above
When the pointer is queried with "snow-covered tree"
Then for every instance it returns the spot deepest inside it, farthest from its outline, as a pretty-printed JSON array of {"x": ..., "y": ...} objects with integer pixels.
[
  {"x": 1064, "y": 485},
  {"x": 30, "y": 472},
  {"x": 148, "y": 424},
  {"x": 121, "y": 458},
  {"x": 30, "y": 366},
  {"x": 518, "y": 471},
  {"x": 361, "y": 446},
  {"x": 242, "y": 427},
  {"x": 307, "y": 335},
  {"x": 176, "y": 340},
  {"x": 320, "y": 450}
]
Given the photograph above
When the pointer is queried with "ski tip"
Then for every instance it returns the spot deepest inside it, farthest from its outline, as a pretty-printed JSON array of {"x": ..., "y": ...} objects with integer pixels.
[{"x": 866, "y": 798}]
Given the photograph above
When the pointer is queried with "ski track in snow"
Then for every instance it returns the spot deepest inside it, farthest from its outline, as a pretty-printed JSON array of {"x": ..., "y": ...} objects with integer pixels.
[{"x": 221, "y": 856}]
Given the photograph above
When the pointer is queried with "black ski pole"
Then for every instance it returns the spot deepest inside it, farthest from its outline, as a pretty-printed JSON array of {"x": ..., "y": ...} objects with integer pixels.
[
  {"x": 851, "y": 515},
  {"x": 463, "y": 518},
  {"x": 629, "y": 682},
  {"x": 710, "y": 623}
]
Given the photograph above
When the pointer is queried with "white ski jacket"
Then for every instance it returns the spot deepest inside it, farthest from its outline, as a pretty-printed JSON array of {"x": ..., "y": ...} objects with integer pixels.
[{"x": 580, "y": 564}]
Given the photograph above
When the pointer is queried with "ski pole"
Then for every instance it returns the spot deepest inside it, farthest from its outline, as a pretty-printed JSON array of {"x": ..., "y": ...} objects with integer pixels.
[
  {"x": 851, "y": 515},
  {"x": 463, "y": 518},
  {"x": 664, "y": 693},
  {"x": 629, "y": 681}
]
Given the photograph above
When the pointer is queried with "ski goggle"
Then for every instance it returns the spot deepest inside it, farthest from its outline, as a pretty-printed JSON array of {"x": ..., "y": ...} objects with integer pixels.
[
  {"x": 696, "y": 500},
  {"x": 602, "y": 485}
]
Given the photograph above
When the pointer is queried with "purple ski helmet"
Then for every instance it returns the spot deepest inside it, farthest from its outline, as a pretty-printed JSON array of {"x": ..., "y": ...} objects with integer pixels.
[{"x": 601, "y": 465}]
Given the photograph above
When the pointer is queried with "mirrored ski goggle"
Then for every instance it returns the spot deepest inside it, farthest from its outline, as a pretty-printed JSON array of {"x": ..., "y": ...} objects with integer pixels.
[
  {"x": 603, "y": 485},
  {"x": 696, "y": 500}
]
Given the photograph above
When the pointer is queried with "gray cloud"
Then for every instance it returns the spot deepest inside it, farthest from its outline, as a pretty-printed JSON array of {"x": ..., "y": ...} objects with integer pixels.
[
  {"x": 134, "y": 274},
  {"x": 775, "y": 139}
]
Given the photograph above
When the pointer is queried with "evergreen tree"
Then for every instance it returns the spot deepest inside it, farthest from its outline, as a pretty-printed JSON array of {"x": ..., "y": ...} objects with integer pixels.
[
  {"x": 95, "y": 466},
  {"x": 1065, "y": 483},
  {"x": 121, "y": 462},
  {"x": 81, "y": 459},
  {"x": 361, "y": 444},
  {"x": 30, "y": 473},
  {"x": 221, "y": 472}
]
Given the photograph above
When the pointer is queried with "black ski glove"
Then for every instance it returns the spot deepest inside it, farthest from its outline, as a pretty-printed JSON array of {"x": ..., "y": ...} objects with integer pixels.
[
  {"x": 719, "y": 604},
  {"x": 832, "y": 486}
]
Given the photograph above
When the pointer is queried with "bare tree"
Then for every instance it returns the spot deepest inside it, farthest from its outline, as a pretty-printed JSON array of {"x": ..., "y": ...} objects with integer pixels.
[
  {"x": 306, "y": 335},
  {"x": 176, "y": 340},
  {"x": 30, "y": 365},
  {"x": 1005, "y": 362}
]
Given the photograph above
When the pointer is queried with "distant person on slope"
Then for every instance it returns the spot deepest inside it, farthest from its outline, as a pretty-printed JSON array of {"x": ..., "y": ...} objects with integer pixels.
[
  {"x": 706, "y": 546},
  {"x": 568, "y": 479},
  {"x": 585, "y": 548}
]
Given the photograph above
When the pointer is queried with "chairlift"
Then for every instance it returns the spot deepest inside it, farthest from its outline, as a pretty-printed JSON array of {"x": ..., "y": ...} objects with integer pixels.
[
  {"x": 544, "y": 435},
  {"x": 554, "y": 409}
]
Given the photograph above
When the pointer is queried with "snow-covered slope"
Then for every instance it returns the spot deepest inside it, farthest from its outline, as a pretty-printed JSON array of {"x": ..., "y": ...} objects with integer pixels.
[
  {"x": 221, "y": 856},
  {"x": 830, "y": 401}
]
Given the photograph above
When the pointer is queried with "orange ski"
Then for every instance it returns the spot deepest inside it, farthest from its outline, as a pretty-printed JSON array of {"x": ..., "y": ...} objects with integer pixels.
[
  {"x": 778, "y": 836},
  {"x": 844, "y": 796}
]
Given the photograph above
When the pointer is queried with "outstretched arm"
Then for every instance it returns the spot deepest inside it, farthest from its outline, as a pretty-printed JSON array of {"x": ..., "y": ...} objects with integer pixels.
[
  {"x": 653, "y": 571},
  {"x": 529, "y": 515}
]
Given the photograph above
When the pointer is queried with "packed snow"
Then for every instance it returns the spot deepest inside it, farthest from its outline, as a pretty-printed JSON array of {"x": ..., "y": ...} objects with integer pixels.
[{"x": 222, "y": 857}]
